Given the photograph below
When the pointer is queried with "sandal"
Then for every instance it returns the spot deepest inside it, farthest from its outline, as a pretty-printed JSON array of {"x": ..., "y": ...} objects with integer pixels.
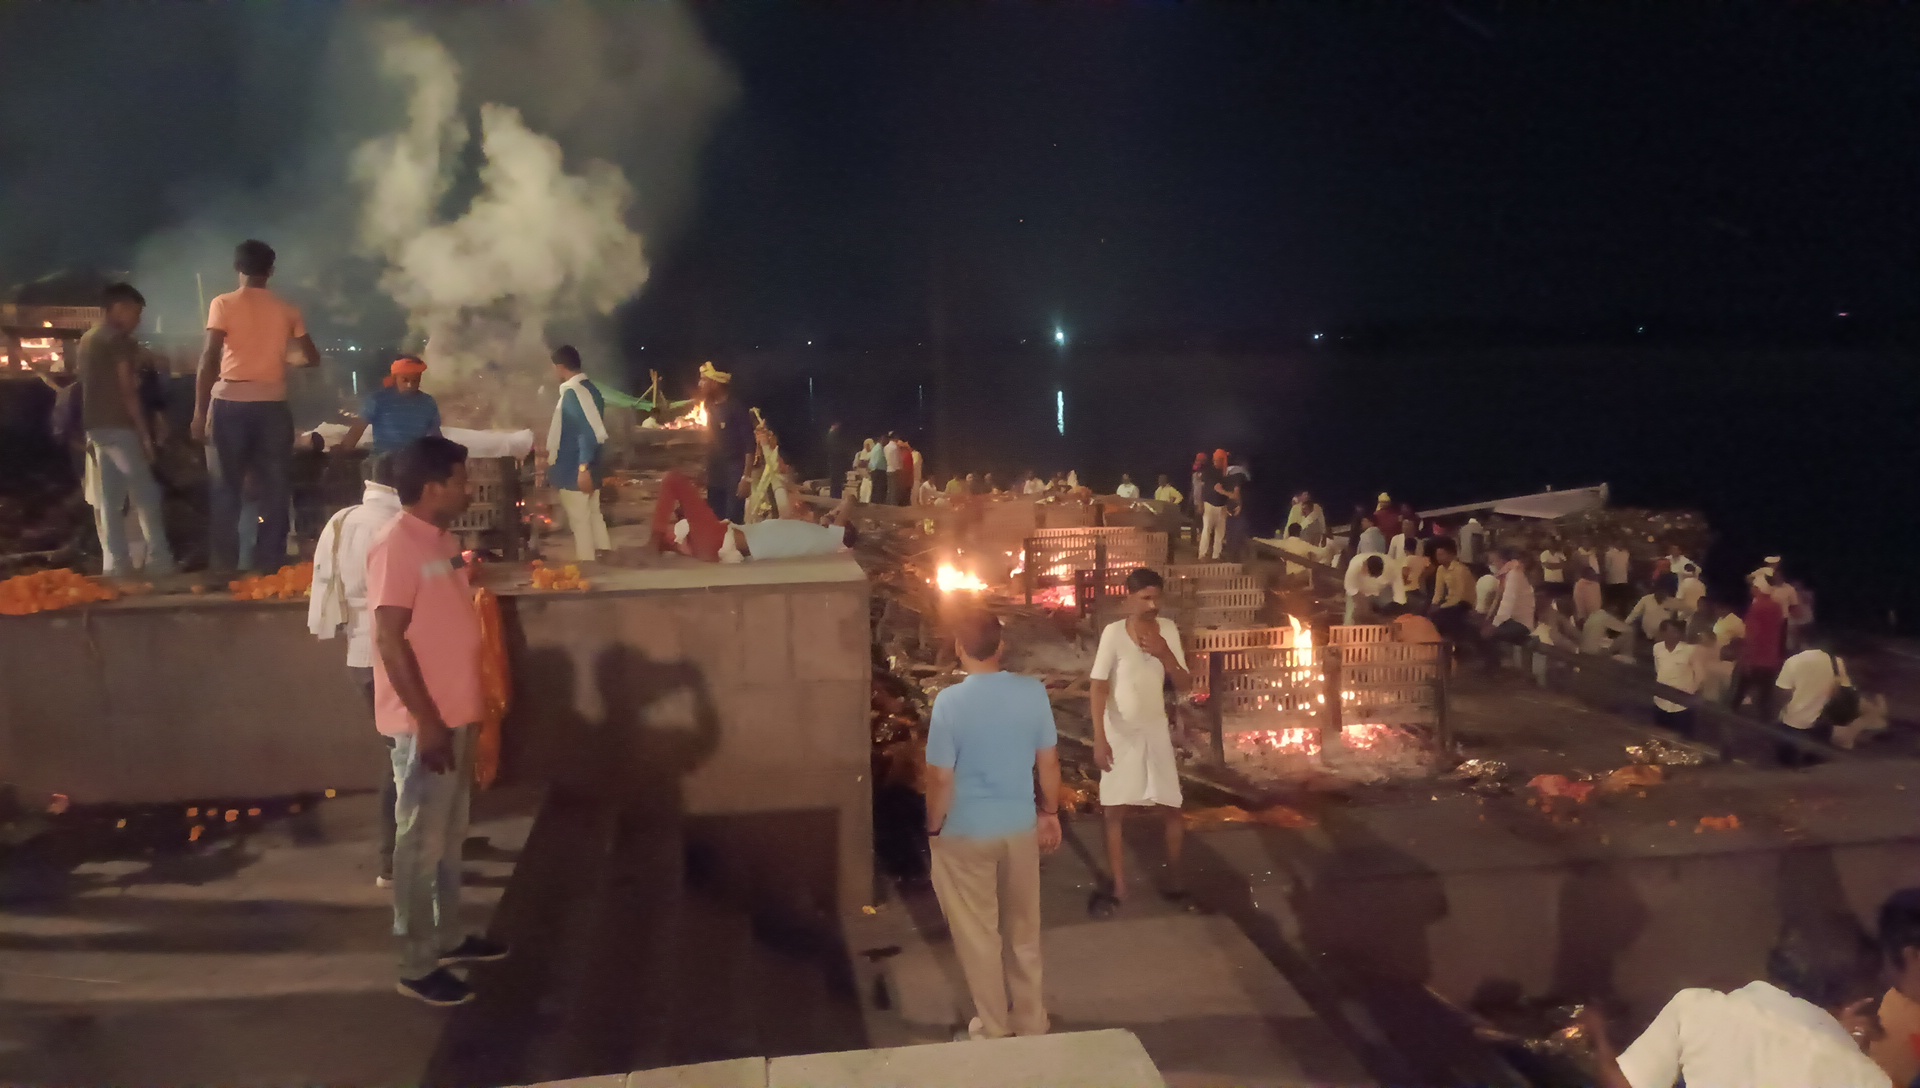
[{"x": 1102, "y": 904}]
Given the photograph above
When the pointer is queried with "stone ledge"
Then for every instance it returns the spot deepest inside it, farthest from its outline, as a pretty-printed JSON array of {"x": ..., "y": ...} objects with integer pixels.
[
  {"x": 1082, "y": 1059},
  {"x": 1086, "y": 1059}
]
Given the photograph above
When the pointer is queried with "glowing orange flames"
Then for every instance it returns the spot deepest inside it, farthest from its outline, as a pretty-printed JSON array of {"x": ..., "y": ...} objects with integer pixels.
[
  {"x": 1305, "y": 740},
  {"x": 951, "y": 579},
  {"x": 695, "y": 418},
  {"x": 1055, "y": 597}
]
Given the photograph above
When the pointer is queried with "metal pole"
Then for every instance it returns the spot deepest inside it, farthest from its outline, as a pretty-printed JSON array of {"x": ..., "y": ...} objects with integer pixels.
[
  {"x": 510, "y": 521},
  {"x": 1099, "y": 567},
  {"x": 1026, "y": 566},
  {"x": 1216, "y": 682},
  {"x": 1330, "y": 729}
]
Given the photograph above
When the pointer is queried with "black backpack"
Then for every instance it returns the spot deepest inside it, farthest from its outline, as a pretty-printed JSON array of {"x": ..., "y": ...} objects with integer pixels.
[{"x": 1843, "y": 706}]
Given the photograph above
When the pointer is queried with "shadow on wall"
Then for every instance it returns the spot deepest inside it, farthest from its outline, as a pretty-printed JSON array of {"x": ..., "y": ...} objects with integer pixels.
[
  {"x": 645, "y": 935},
  {"x": 1355, "y": 933},
  {"x": 1359, "y": 957}
]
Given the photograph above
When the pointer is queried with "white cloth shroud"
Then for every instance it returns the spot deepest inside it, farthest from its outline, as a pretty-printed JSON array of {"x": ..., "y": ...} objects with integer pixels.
[{"x": 478, "y": 443}]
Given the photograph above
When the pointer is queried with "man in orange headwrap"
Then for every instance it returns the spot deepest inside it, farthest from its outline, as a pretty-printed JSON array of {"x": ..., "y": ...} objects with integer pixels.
[
  {"x": 399, "y": 412},
  {"x": 1214, "y": 500}
]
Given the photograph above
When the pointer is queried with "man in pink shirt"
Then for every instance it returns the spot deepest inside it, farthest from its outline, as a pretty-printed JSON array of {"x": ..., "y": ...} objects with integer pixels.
[
  {"x": 427, "y": 697},
  {"x": 240, "y": 409}
]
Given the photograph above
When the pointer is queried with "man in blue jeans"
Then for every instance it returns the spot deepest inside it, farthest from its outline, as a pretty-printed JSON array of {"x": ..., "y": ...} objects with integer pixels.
[
  {"x": 427, "y": 697},
  {"x": 993, "y": 787},
  {"x": 119, "y": 445},
  {"x": 240, "y": 410}
]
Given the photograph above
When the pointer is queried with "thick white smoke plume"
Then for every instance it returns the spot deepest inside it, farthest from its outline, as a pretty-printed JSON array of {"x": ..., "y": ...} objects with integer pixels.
[
  {"x": 535, "y": 244},
  {"x": 475, "y": 177}
]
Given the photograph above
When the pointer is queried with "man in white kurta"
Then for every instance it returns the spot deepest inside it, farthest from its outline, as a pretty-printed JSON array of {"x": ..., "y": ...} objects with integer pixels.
[
  {"x": 1804, "y": 1025},
  {"x": 1133, "y": 738}
]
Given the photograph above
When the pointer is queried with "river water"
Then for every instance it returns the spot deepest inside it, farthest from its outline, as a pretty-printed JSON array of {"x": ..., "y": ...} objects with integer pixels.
[{"x": 1803, "y": 452}]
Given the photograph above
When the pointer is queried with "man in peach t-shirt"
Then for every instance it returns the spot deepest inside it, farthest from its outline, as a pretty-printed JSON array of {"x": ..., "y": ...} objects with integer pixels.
[
  {"x": 240, "y": 409},
  {"x": 427, "y": 697}
]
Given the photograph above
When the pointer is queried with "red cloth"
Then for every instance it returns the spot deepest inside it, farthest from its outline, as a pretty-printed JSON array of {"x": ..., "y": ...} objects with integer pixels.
[
  {"x": 1388, "y": 521},
  {"x": 678, "y": 499},
  {"x": 1766, "y": 638}
]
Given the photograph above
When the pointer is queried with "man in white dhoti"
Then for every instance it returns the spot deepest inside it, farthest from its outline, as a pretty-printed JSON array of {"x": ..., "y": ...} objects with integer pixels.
[{"x": 1132, "y": 737}]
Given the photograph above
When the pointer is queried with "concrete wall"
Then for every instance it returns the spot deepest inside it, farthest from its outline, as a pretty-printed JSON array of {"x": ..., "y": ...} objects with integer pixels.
[
  {"x": 186, "y": 699},
  {"x": 1479, "y": 922},
  {"x": 696, "y": 690},
  {"x": 697, "y": 698}
]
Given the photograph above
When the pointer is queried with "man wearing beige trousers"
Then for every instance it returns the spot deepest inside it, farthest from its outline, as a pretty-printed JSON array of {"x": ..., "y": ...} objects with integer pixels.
[{"x": 993, "y": 781}]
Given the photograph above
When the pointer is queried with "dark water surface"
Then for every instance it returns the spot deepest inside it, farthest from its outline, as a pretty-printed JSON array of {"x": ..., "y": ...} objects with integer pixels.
[{"x": 1805, "y": 452}]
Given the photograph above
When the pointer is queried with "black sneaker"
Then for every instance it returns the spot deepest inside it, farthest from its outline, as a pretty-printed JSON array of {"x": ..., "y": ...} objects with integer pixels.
[
  {"x": 443, "y": 989},
  {"x": 474, "y": 950}
]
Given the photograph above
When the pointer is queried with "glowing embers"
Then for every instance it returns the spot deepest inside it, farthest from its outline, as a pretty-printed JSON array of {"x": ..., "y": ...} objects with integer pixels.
[
  {"x": 952, "y": 579},
  {"x": 1305, "y": 740}
]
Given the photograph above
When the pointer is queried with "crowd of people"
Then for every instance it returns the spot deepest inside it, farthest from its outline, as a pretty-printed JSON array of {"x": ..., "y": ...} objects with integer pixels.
[
  {"x": 1590, "y": 595},
  {"x": 890, "y": 470},
  {"x": 1835, "y": 1007},
  {"x": 111, "y": 407},
  {"x": 391, "y": 576},
  {"x": 1581, "y": 593}
]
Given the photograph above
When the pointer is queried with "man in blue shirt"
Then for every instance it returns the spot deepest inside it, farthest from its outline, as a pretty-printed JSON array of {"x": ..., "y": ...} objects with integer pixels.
[
  {"x": 992, "y": 738},
  {"x": 398, "y": 413},
  {"x": 575, "y": 438}
]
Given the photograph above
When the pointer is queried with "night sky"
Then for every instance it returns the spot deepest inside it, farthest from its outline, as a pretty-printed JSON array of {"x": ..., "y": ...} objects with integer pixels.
[
  {"x": 1125, "y": 170},
  {"x": 1148, "y": 169}
]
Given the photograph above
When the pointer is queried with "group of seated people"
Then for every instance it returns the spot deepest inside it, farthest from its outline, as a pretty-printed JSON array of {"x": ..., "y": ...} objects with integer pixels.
[{"x": 1747, "y": 659}]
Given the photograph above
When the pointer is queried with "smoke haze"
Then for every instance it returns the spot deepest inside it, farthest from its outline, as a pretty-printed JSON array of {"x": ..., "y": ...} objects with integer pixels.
[
  {"x": 478, "y": 175},
  {"x": 533, "y": 245}
]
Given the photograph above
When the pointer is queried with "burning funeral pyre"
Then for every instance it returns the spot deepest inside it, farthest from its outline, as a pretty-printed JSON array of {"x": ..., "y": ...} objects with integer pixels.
[{"x": 1258, "y": 716}]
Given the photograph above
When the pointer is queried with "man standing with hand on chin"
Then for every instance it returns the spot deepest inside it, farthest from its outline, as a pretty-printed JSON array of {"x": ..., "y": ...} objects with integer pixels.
[
  {"x": 993, "y": 787},
  {"x": 574, "y": 441},
  {"x": 427, "y": 697},
  {"x": 1132, "y": 737}
]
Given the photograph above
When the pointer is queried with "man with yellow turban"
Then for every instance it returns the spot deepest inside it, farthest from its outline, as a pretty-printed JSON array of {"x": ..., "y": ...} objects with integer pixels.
[{"x": 730, "y": 444}]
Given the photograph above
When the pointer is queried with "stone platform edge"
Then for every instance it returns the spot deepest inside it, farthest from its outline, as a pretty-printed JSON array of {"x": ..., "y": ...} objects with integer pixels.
[{"x": 1112, "y": 1058}]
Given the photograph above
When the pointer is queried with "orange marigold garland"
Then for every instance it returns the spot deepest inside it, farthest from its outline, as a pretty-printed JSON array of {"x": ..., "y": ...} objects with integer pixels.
[{"x": 50, "y": 591}]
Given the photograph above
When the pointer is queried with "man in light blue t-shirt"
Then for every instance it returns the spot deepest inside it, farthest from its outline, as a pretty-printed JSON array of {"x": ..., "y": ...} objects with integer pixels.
[{"x": 990, "y": 744}]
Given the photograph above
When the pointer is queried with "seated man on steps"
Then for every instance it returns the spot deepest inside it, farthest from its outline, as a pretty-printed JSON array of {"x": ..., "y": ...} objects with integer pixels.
[{"x": 684, "y": 523}]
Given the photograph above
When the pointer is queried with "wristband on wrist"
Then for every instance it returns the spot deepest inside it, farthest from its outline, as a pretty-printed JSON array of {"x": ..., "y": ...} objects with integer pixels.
[{"x": 1049, "y": 812}]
